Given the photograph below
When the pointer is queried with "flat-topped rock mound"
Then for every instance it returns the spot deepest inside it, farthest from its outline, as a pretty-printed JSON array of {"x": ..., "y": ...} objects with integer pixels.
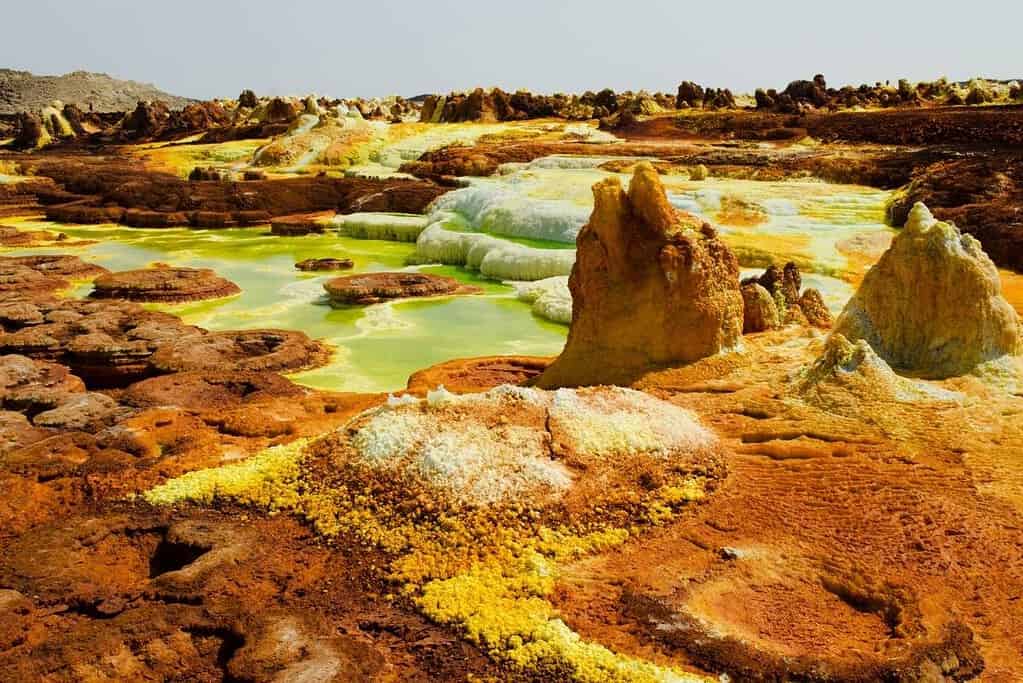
[
  {"x": 371, "y": 288},
  {"x": 164, "y": 284},
  {"x": 465, "y": 375},
  {"x": 932, "y": 305},
  {"x": 651, "y": 286},
  {"x": 273, "y": 350},
  {"x": 43, "y": 274},
  {"x": 106, "y": 343},
  {"x": 325, "y": 263},
  {"x": 20, "y": 279},
  {"x": 211, "y": 390}
]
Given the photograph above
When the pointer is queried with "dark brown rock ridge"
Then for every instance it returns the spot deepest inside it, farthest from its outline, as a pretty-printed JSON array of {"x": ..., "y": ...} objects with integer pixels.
[
  {"x": 101, "y": 189},
  {"x": 112, "y": 343},
  {"x": 59, "y": 265},
  {"x": 371, "y": 288},
  {"x": 651, "y": 286},
  {"x": 164, "y": 284},
  {"x": 774, "y": 298}
]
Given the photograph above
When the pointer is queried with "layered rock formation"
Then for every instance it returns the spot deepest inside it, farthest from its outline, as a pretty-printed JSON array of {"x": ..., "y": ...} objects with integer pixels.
[
  {"x": 932, "y": 305},
  {"x": 163, "y": 284},
  {"x": 650, "y": 286},
  {"x": 774, "y": 298},
  {"x": 373, "y": 288},
  {"x": 324, "y": 263},
  {"x": 242, "y": 350}
]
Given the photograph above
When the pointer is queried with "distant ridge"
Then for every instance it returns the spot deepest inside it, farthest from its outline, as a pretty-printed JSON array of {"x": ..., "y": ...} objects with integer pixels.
[{"x": 24, "y": 91}]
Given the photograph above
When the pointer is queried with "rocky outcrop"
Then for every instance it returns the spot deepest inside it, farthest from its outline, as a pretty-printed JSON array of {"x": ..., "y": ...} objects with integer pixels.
[
  {"x": 106, "y": 343},
  {"x": 774, "y": 299},
  {"x": 980, "y": 193},
  {"x": 102, "y": 190},
  {"x": 759, "y": 311},
  {"x": 245, "y": 350},
  {"x": 651, "y": 286},
  {"x": 164, "y": 284},
  {"x": 371, "y": 288},
  {"x": 932, "y": 305},
  {"x": 32, "y": 134},
  {"x": 24, "y": 91},
  {"x": 247, "y": 98},
  {"x": 58, "y": 265},
  {"x": 325, "y": 263}
]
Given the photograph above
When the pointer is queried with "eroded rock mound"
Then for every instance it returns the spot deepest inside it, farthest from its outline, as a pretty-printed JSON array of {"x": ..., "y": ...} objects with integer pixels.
[
  {"x": 273, "y": 350},
  {"x": 847, "y": 374},
  {"x": 59, "y": 265},
  {"x": 650, "y": 286},
  {"x": 774, "y": 299},
  {"x": 163, "y": 284},
  {"x": 373, "y": 288},
  {"x": 932, "y": 305},
  {"x": 465, "y": 375}
]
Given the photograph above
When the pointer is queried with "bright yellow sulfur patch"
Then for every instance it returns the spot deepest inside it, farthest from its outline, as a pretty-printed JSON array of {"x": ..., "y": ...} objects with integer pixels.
[
  {"x": 502, "y": 607},
  {"x": 180, "y": 159},
  {"x": 267, "y": 480}
]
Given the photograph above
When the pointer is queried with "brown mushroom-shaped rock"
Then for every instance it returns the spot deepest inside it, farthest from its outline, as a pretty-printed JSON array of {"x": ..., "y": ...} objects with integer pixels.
[
  {"x": 324, "y": 263},
  {"x": 273, "y": 350},
  {"x": 371, "y": 288},
  {"x": 164, "y": 284}
]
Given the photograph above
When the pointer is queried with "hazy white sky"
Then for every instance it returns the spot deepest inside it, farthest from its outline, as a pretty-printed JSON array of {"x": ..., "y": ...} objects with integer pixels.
[{"x": 212, "y": 48}]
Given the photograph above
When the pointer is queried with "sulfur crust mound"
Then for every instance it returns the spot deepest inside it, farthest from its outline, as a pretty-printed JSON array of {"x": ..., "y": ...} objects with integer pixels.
[
  {"x": 514, "y": 445},
  {"x": 932, "y": 305},
  {"x": 848, "y": 375},
  {"x": 651, "y": 286}
]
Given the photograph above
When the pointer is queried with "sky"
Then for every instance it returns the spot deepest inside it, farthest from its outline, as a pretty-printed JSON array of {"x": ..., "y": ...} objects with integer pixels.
[{"x": 336, "y": 48}]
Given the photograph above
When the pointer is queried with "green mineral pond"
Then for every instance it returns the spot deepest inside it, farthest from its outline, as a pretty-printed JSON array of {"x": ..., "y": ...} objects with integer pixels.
[{"x": 377, "y": 347}]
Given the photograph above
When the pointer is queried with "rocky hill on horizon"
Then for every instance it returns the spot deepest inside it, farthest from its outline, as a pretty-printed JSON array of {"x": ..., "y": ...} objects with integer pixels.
[{"x": 25, "y": 91}]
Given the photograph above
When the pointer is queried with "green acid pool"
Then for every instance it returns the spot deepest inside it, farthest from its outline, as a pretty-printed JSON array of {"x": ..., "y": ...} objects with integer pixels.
[{"x": 378, "y": 346}]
